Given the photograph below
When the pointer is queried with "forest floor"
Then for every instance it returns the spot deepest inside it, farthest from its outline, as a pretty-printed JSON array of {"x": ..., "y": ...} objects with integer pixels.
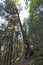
[{"x": 21, "y": 61}]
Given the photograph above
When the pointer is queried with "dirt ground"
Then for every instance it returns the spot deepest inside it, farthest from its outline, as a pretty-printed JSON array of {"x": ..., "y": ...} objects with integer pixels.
[{"x": 22, "y": 61}]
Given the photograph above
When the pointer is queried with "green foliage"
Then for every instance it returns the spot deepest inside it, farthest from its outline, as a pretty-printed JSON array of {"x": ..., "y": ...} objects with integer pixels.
[
  {"x": 35, "y": 31},
  {"x": 36, "y": 21}
]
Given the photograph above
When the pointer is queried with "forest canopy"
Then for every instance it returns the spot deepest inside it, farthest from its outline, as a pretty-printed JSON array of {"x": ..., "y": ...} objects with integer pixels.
[{"x": 17, "y": 40}]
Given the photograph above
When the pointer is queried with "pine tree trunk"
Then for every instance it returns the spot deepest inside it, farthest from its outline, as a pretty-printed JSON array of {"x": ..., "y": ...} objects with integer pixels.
[{"x": 11, "y": 48}]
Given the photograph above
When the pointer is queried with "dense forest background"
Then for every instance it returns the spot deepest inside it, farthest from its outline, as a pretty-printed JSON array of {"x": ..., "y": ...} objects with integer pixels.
[{"x": 17, "y": 40}]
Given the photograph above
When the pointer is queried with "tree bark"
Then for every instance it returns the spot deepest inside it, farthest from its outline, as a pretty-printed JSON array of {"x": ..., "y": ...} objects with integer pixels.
[
  {"x": 11, "y": 47},
  {"x": 25, "y": 39}
]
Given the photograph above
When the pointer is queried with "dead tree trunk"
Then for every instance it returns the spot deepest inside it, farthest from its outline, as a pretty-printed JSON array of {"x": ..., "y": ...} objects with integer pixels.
[{"x": 25, "y": 39}]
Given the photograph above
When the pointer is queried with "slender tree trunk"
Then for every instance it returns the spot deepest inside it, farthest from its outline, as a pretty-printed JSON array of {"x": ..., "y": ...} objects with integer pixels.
[
  {"x": 25, "y": 39},
  {"x": 11, "y": 48},
  {"x": 7, "y": 58}
]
